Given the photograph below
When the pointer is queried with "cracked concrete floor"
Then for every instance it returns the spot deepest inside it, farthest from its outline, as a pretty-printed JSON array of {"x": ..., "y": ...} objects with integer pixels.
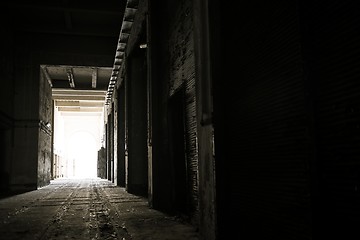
[{"x": 86, "y": 209}]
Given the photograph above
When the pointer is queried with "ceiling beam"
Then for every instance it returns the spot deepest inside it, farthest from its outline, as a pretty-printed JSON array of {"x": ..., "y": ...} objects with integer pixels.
[
  {"x": 70, "y": 77},
  {"x": 78, "y": 95},
  {"x": 74, "y": 66},
  {"x": 89, "y": 104},
  {"x": 47, "y": 76},
  {"x": 76, "y": 115},
  {"x": 79, "y": 109},
  {"x": 73, "y": 92},
  {"x": 94, "y": 78},
  {"x": 79, "y": 98}
]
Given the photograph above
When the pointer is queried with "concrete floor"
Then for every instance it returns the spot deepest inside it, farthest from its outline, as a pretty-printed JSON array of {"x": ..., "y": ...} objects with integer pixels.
[{"x": 86, "y": 209}]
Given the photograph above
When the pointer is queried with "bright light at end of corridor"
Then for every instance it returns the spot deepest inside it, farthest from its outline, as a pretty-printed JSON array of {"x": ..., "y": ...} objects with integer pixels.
[{"x": 82, "y": 155}]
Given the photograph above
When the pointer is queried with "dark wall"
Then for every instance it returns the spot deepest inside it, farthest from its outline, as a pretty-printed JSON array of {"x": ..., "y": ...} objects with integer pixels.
[
  {"x": 261, "y": 124},
  {"x": 181, "y": 82},
  {"x": 286, "y": 120},
  {"x": 161, "y": 199},
  {"x": 4, "y": 173},
  {"x": 22, "y": 109},
  {"x": 7, "y": 77},
  {"x": 172, "y": 68},
  {"x": 6, "y": 107},
  {"x": 331, "y": 56},
  {"x": 121, "y": 137}
]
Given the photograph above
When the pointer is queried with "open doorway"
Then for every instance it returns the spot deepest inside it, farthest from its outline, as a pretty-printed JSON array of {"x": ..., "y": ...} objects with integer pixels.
[
  {"x": 78, "y": 96},
  {"x": 77, "y": 139}
]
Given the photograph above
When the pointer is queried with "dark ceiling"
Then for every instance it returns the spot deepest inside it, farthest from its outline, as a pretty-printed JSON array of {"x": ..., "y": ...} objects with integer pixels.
[
  {"x": 69, "y": 27},
  {"x": 68, "y": 17}
]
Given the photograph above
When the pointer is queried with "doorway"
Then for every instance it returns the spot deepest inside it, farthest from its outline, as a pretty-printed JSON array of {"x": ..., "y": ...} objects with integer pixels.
[{"x": 177, "y": 146}]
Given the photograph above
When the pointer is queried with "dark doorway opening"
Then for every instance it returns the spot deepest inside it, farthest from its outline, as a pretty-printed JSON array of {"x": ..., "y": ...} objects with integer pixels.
[{"x": 177, "y": 154}]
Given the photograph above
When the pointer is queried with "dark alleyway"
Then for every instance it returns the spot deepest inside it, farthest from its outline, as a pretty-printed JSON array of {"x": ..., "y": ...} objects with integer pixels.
[
  {"x": 243, "y": 120},
  {"x": 86, "y": 209}
]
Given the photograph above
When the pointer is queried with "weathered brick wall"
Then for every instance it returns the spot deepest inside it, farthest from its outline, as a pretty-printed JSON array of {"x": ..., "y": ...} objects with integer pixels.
[
  {"x": 172, "y": 68},
  {"x": 182, "y": 74}
]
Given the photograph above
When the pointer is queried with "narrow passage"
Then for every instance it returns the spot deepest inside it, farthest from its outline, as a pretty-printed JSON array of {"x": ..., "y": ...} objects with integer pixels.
[{"x": 86, "y": 209}]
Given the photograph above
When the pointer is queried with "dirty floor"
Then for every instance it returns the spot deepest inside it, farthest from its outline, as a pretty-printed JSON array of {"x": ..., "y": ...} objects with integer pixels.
[{"x": 86, "y": 209}]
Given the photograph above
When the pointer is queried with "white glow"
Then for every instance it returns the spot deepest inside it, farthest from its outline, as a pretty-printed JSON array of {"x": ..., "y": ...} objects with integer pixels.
[
  {"x": 77, "y": 139},
  {"x": 83, "y": 155}
]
